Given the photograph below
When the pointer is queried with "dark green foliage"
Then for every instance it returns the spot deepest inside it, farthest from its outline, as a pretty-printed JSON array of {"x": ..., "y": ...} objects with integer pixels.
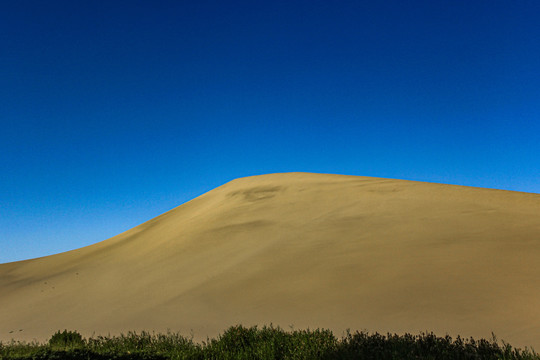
[
  {"x": 146, "y": 345},
  {"x": 240, "y": 342},
  {"x": 423, "y": 346},
  {"x": 66, "y": 339}
]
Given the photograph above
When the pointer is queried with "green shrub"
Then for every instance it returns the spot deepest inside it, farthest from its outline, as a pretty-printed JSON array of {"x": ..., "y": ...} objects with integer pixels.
[
  {"x": 66, "y": 339},
  {"x": 266, "y": 343}
]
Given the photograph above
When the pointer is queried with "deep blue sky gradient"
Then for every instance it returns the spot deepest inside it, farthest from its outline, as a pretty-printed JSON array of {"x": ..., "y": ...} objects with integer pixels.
[{"x": 114, "y": 112}]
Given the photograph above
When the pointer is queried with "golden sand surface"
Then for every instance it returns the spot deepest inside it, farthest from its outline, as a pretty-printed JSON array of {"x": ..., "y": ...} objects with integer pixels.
[{"x": 301, "y": 250}]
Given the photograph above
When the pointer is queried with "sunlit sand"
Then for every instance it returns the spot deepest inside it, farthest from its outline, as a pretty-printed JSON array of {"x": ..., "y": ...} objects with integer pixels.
[{"x": 301, "y": 250}]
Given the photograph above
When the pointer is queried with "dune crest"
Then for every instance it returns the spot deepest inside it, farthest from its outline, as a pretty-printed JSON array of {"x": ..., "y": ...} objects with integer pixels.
[{"x": 308, "y": 250}]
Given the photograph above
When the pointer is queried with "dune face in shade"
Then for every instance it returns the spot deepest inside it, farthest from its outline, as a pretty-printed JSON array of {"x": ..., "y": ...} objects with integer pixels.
[{"x": 308, "y": 250}]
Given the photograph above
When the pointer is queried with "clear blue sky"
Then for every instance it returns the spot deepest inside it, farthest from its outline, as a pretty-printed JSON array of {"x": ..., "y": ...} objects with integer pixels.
[{"x": 113, "y": 112}]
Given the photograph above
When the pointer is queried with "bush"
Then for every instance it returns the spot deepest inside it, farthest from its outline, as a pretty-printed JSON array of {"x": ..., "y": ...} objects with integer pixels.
[
  {"x": 66, "y": 339},
  {"x": 266, "y": 343}
]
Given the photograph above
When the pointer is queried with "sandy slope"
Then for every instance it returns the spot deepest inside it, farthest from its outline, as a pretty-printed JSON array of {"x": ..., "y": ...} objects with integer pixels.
[{"x": 306, "y": 250}]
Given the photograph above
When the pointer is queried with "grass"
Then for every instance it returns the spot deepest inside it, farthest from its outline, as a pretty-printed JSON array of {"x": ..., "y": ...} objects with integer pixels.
[{"x": 268, "y": 342}]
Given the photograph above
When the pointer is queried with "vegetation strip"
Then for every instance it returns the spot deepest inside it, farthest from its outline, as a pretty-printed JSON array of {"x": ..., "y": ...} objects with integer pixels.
[{"x": 268, "y": 342}]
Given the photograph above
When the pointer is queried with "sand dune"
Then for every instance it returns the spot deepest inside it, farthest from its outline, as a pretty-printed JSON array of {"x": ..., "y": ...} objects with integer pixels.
[{"x": 307, "y": 250}]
